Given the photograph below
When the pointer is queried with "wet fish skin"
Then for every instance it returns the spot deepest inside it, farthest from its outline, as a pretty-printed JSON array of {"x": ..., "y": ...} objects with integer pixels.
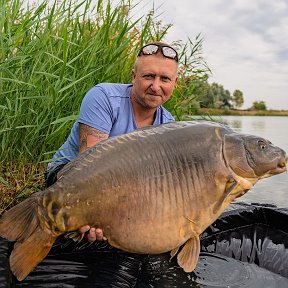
[{"x": 151, "y": 191}]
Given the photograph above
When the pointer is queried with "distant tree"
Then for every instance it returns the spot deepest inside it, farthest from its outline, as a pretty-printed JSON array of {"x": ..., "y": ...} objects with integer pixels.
[
  {"x": 224, "y": 98},
  {"x": 215, "y": 96},
  {"x": 237, "y": 98},
  {"x": 259, "y": 105},
  {"x": 206, "y": 97},
  {"x": 215, "y": 91}
]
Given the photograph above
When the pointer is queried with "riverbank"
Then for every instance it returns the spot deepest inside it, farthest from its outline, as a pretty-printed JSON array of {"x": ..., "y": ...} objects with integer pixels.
[{"x": 227, "y": 112}]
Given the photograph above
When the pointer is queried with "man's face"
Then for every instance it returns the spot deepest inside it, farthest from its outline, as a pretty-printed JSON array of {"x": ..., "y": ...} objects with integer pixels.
[{"x": 154, "y": 78}]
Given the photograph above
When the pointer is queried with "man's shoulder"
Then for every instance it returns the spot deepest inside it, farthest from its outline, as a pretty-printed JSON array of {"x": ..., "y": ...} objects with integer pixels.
[
  {"x": 166, "y": 115},
  {"x": 115, "y": 89}
]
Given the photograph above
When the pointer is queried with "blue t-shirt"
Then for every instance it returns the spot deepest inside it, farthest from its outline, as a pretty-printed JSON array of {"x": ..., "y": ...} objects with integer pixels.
[{"x": 108, "y": 108}]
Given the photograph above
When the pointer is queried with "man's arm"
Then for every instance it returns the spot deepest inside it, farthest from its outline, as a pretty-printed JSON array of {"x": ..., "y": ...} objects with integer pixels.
[{"x": 89, "y": 137}]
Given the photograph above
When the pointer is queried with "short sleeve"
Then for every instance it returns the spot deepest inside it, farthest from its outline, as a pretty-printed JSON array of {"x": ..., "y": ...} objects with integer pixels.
[
  {"x": 166, "y": 116},
  {"x": 96, "y": 110}
]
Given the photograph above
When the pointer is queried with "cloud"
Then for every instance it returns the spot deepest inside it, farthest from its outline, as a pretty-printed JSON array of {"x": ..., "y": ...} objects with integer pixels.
[{"x": 245, "y": 43}]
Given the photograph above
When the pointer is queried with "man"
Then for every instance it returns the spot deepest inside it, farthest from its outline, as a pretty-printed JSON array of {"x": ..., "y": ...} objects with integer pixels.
[{"x": 114, "y": 109}]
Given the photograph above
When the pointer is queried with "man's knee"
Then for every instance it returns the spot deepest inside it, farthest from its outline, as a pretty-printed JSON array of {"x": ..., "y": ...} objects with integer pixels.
[{"x": 51, "y": 174}]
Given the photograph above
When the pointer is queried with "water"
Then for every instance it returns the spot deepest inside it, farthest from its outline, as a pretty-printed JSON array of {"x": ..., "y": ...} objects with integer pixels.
[
  {"x": 273, "y": 190},
  {"x": 223, "y": 272}
]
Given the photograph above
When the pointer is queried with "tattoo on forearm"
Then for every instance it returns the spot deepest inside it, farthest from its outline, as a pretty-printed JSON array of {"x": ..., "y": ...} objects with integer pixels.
[{"x": 89, "y": 136}]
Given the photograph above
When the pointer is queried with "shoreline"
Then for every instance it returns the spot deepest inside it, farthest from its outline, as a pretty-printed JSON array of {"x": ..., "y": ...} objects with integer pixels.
[{"x": 232, "y": 112}]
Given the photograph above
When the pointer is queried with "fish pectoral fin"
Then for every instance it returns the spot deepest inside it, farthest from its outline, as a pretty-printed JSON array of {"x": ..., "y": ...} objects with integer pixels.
[
  {"x": 27, "y": 254},
  {"x": 189, "y": 254}
]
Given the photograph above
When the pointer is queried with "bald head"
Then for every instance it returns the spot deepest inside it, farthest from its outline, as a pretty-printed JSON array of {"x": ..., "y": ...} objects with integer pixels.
[
  {"x": 142, "y": 61},
  {"x": 159, "y": 49}
]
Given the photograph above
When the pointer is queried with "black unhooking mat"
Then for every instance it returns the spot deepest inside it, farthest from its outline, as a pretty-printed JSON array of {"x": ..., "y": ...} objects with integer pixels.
[{"x": 246, "y": 247}]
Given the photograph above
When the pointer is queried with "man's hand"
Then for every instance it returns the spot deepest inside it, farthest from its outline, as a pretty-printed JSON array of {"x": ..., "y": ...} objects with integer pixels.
[{"x": 94, "y": 233}]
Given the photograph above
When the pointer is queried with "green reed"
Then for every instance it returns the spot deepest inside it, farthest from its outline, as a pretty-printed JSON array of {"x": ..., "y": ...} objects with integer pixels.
[{"x": 51, "y": 55}]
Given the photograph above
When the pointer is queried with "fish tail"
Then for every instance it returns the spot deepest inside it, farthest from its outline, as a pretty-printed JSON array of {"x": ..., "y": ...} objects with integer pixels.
[
  {"x": 21, "y": 224},
  {"x": 28, "y": 254}
]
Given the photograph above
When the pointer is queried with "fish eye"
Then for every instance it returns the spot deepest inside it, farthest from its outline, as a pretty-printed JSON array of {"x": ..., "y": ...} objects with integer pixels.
[{"x": 262, "y": 144}]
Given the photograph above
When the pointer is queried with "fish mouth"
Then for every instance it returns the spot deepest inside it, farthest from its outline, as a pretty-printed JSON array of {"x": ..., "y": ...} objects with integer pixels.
[
  {"x": 281, "y": 167},
  {"x": 242, "y": 193}
]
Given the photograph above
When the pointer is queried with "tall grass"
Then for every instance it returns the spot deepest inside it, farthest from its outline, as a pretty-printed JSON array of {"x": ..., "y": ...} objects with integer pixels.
[{"x": 50, "y": 55}]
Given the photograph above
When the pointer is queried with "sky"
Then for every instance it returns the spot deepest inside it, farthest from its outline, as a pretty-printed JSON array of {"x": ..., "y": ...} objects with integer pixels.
[{"x": 245, "y": 43}]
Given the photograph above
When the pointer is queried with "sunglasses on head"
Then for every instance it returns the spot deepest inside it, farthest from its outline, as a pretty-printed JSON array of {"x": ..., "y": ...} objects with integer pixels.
[{"x": 167, "y": 51}]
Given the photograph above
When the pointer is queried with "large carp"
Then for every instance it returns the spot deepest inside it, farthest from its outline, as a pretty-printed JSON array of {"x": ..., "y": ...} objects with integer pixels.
[{"x": 151, "y": 191}]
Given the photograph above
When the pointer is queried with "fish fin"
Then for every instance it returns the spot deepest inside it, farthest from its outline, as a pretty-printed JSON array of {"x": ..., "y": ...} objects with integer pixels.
[
  {"x": 188, "y": 256},
  {"x": 26, "y": 255},
  {"x": 21, "y": 224},
  {"x": 174, "y": 252}
]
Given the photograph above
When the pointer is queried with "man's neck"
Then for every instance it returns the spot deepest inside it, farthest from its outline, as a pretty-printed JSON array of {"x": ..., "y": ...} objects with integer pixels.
[
  {"x": 144, "y": 120},
  {"x": 143, "y": 116}
]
